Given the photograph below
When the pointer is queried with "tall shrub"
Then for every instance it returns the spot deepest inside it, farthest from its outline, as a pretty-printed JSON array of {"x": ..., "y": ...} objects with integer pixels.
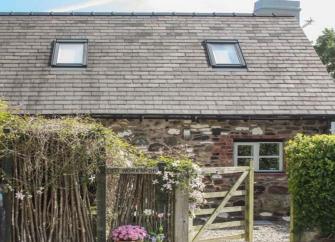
[{"x": 311, "y": 172}]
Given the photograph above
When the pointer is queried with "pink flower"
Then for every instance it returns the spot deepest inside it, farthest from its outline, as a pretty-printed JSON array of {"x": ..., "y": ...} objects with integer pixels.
[{"x": 129, "y": 232}]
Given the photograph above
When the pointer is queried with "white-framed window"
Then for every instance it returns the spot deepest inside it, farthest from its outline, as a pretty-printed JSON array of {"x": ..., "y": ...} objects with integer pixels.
[
  {"x": 69, "y": 53},
  {"x": 267, "y": 156}
]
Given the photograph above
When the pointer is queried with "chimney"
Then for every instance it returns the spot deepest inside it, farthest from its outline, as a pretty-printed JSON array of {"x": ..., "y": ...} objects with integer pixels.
[{"x": 278, "y": 7}]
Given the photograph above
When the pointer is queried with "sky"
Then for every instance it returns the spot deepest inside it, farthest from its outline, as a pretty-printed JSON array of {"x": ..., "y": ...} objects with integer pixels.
[{"x": 321, "y": 11}]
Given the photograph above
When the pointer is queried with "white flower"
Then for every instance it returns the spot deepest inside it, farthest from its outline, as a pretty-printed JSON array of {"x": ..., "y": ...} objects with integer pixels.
[
  {"x": 167, "y": 186},
  {"x": 170, "y": 174},
  {"x": 160, "y": 215},
  {"x": 40, "y": 190},
  {"x": 176, "y": 163},
  {"x": 159, "y": 173},
  {"x": 196, "y": 168},
  {"x": 19, "y": 195},
  {"x": 155, "y": 182},
  {"x": 148, "y": 212},
  {"x": 166, "y": 176},
  {"x": 198, "y": 197},
  {"x": 91, "y": 178}
]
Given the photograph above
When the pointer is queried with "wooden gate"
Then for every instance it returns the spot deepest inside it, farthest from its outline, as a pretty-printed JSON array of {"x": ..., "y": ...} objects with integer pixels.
[{"x": 245, "y": 177}]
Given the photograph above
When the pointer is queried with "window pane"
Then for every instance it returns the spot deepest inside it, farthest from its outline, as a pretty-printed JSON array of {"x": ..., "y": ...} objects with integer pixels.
[
  {"x": 225, "y": 54},
  {"x": 268, "y": 149},
  {"x": 245, "y": 150},
  {"x": 243, "y": 161},
  {"x": 271, "y": 164},
  {"x": 69, "y": 53}
]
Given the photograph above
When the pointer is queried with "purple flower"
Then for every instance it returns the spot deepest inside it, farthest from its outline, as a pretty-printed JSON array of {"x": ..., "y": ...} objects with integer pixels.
[{"x": 129, "y": 232}]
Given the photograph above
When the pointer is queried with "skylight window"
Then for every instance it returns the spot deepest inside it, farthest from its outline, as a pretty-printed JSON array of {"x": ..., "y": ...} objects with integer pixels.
[
  {"x": 69, "y": 53},
  {"x": 225, "y": 53}
]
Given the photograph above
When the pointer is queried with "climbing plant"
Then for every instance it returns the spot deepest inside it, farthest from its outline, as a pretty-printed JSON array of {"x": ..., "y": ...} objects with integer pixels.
[
  {"x": 48, "y": 169},
  {"x": 311, "y": 173}
]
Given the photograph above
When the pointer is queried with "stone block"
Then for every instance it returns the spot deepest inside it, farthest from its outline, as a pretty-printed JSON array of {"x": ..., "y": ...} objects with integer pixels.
[
  {"x": 216, "y": 131},
  {"x": 155, "y": 147},
  {"x": 242, "y": 128},
  {"x": 278, "y": 190},
  {"x": 199, "y": 126},
  {"x": 140, "y": 141},
  {"x": 200, "y": 137},
  {"x": 259, "y": 189},
  {"x": 125, "y": 133},
  {"x": 171, "y": 140},
  {"x": 257, "y": 131},
  {"x": 173, "y": 131},
  {"x": 187, "y": 134}
]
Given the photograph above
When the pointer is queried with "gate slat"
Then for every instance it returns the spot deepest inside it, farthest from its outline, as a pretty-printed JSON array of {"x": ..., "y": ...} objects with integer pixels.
[
  {"x": 223, "y": 194},
  {"x": 221, "y": 225},
  {"x": 228, "y": 237},
  {"x": 205, "y": 211},
  {"x": 223, "y": 170}
]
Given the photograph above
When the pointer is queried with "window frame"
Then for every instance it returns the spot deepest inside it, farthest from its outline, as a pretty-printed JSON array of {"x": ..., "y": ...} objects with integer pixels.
[
  {"x": 55, "y": 53},
  {"x": 211, "y": 57},
  {"x": 256, "y": 157}
]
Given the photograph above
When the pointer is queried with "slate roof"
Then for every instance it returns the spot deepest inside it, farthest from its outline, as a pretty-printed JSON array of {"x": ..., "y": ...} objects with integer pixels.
[{"x": 156, "y": 64}]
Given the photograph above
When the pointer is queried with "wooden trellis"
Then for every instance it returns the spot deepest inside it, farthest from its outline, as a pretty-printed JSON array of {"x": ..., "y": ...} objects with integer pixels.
[{"x": 124, "y": 202}]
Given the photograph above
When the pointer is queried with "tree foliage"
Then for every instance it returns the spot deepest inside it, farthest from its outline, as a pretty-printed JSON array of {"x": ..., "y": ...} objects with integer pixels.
[
  {"x": 325, "y": 47},
  {"x": 311, "y": 172}
]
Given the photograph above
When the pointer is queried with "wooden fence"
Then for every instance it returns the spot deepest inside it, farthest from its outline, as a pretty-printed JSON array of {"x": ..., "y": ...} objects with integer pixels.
[
  {"x": 179, "y": 225},
  {"x": 132, "y": 192},
  {"x": 187, "y": 231}
]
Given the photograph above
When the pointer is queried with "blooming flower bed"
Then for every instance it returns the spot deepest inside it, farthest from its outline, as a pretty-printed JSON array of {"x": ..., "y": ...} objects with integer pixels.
[{"x": 129, "y": 233}]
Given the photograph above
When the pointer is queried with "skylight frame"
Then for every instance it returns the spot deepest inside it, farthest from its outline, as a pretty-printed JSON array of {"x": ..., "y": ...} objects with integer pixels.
[
  {"x": 211, "y": 57},
  {"x": 55, "y": 53}
]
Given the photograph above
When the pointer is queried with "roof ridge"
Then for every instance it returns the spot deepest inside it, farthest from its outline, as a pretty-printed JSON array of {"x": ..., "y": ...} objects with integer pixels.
[{"x": 213, "y": 14}]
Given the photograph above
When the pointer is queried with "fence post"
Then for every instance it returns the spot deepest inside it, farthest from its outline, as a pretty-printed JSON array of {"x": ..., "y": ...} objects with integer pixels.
[
  {"x": 181, "y": 216},
  {"x": 249, "y": 204},
  {"x": 101, "y": 205}
]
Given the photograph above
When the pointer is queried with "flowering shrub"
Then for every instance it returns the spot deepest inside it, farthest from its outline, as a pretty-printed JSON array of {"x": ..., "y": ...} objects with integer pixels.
[
  {"x": 184, "y": 173},
  {"x": 129, "y": 232}
]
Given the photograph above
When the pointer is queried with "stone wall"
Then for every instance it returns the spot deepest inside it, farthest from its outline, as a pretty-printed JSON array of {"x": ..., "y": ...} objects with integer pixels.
[{"x": 210, "y": 143}]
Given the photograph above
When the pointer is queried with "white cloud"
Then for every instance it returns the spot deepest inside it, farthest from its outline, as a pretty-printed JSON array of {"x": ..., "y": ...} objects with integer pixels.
[{"x": 320, "y": 11}]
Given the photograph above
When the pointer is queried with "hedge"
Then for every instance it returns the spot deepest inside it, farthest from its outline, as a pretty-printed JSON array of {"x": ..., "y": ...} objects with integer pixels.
[{"x": 311, "y": 174}]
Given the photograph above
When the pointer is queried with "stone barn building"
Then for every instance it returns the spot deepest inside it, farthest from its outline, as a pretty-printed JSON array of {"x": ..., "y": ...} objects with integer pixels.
[{"x": 224, "y": 88}]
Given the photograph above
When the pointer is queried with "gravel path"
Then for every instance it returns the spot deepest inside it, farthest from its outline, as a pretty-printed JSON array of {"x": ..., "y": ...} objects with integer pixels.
[
  {"x": 264, "y": 231},
  {"x": 275, "y": 232}
]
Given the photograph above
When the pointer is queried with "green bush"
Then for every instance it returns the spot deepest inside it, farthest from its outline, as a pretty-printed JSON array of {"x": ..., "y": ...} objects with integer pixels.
[{"x": 311, "y": 173}]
